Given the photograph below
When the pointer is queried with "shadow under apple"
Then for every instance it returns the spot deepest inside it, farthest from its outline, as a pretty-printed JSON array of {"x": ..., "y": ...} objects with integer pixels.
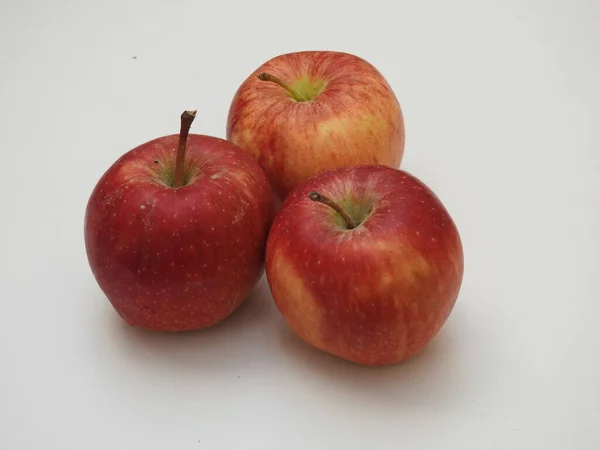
[
  {"x": 222, "y": 347},
  {"x": 436, "y": 374},
  {"x": 255, "y": 339}
]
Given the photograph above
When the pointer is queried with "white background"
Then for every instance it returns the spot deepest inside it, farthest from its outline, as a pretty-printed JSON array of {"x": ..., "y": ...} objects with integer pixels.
[{"x": 502, "y": 108}]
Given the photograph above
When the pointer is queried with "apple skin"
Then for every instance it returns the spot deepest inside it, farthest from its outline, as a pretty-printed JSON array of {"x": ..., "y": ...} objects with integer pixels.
[
  {"x": 179, "y": 259},
  {"x": 375, "y": 294},
  {"x": 355, "y": 120}
]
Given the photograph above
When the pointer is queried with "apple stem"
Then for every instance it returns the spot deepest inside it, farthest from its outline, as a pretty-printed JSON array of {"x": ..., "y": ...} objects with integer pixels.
[
  {"x": 187, "y": 117},
  {"x": 272, "y": 78},
  {"x": 316, "y": 197}
]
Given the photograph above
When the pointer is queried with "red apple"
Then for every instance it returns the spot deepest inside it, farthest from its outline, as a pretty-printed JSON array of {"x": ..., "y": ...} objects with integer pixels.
[
  {"x": 175, "y": 231},
  {"x": 301, "y": 113},
  {"x": 364, "y": 263}
]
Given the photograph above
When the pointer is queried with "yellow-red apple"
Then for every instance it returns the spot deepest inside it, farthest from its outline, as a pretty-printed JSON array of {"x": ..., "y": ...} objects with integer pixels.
[
  {"x": 364, "y": 263},
  {"x": 301, "y": 113}
]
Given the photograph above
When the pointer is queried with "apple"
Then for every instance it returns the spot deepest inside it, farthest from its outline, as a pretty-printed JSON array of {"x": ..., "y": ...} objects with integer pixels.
[
  {"x": 364, "y": 263},
  {"x": 175, "y": 230},
  {"x": 301, "y": 113}
]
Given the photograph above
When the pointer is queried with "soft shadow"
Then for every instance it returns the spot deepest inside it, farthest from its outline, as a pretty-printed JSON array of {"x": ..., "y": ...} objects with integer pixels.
[
  {"x": 218, "y": 348},
  {"x": 438, "y": 373}
]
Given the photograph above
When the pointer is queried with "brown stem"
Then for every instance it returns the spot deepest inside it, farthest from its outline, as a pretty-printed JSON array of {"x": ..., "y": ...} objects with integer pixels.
[
  {"x": 272, "y": 78},
  {"x": 316, "y": 197},
  {"x": 186, "y": 122}
]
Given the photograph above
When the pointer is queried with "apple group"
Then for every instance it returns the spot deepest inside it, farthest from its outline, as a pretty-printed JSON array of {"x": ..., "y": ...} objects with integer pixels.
[{"x": 363, "y": 260}]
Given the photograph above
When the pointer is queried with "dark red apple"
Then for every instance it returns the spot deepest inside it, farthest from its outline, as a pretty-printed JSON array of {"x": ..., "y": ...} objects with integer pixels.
[
  {"x": 364, "y": 263},
  {"x": 175, "y": 230}
]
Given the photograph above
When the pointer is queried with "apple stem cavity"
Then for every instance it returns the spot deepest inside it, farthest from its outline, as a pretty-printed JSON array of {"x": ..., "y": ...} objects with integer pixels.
[
  {"x": 316, "y": 197},
  {"x": 187, "y": 117},
  {"x": 273, "y": 79}
]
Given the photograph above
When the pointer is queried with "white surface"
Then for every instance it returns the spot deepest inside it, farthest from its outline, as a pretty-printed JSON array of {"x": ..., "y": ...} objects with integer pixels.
[{"x": 501, "y": 100}]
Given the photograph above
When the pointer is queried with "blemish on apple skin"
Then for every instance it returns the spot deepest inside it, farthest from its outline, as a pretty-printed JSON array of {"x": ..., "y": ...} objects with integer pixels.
[{"x": 142, "y": 206}]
